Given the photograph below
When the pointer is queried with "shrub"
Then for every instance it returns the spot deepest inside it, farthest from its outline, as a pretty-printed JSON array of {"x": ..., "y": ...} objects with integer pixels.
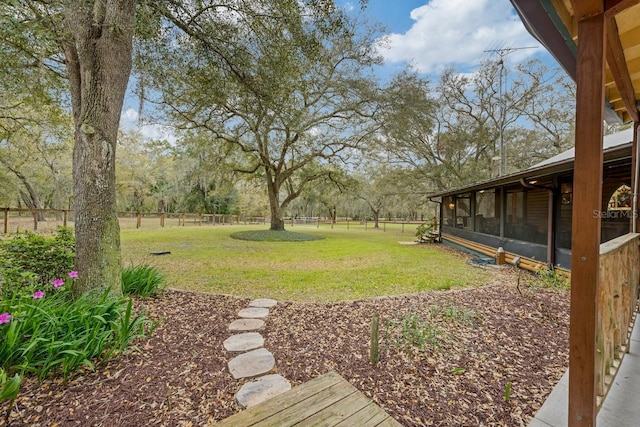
[
  {"x": 142, "y": 280},
  {"x": 550, "y": 278},
  {"x": 48, "y": 332},
  {"x": 412, "y": 332},
  {"x": 29, "y": 259}
]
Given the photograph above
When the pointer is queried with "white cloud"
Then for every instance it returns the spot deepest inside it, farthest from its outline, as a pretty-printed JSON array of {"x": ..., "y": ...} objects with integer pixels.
[
  {"x": 129, "y": 121},
  {"x": 457, "y": 32}
]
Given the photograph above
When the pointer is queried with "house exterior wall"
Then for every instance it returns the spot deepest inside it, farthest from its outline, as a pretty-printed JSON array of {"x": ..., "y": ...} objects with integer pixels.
[{"x": 516, "y": 217}]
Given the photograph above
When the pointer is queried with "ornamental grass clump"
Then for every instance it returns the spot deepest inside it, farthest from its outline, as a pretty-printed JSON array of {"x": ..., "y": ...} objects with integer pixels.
[
  {"x": 142, "y": 280},
  {"x": 45, "y": 331}
]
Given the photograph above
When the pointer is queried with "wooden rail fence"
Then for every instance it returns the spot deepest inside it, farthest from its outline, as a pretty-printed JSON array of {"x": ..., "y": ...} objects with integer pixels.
[{"x": 46, "y": 220}]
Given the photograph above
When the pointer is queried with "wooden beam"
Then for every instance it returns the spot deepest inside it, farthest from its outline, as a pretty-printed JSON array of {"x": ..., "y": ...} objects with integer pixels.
[
  {"x": 613, "y": 7},
  {"x": 633, "y": 223},
  {"x": 586, "y": 9},
  {"x": 585, "y": 241},
  {"x": 618, "y": 67}
]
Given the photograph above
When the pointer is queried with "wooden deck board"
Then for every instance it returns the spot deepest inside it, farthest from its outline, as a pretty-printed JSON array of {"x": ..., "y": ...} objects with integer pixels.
[
  {"x": 341, "y": 410},
  {"x": 328, "y": 400},
  {"x": 367, "y": 416}
]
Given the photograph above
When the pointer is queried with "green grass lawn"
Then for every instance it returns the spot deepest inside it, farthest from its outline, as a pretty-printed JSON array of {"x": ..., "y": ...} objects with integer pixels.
[{"x": 345, "y": 265}]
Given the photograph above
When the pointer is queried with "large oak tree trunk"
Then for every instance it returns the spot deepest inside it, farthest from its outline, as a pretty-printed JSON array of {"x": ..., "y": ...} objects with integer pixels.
[
  {"x": 277, "y": 221},
  {"x": 376, "y": 219},
  {"x": 98, "y": 51}
]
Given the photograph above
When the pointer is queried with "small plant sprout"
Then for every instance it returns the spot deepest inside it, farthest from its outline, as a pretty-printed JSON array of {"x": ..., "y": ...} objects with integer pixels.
[
  {"x": 457, "y": 371},
  {"x": 507, "y": 391},
  {"x": 374, "y": 350}
]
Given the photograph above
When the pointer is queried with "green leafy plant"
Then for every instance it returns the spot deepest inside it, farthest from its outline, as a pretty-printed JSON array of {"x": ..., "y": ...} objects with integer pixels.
[
  {"x": 460, "y": 315},
  {"x": 416, "y": 332},
  {"x": 30, "y": 259},
  {"x": 48, "y": 332},
  {"x": 425, "y": 229},
  {"x": 142, "y": 280},
  {"x": 9, "y": 390},
  {"x": 550, "y": 278}
]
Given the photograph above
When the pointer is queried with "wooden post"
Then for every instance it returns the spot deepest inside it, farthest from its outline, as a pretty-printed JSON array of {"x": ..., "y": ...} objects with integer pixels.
[
  {"x": 64, "y": 217},
  {"x": 633, "y": 223},
  {"x": 162, "y": 220},
  {"x": 585, "y": 233},
  {"x": 138, "y": 219},
  {"x": 6, "y": 220},
  {"x": 184, "y": 219}
]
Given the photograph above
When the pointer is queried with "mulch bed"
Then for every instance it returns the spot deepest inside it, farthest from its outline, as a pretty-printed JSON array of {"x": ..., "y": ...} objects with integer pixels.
[{"x": 481, "y": 340}]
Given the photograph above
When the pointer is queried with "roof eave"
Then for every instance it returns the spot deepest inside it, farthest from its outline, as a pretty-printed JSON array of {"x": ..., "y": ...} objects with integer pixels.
[{"x": 613, "y": 154}]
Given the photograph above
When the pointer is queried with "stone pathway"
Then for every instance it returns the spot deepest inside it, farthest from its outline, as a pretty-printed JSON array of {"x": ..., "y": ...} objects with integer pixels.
[{"x": 253, "y": 360}]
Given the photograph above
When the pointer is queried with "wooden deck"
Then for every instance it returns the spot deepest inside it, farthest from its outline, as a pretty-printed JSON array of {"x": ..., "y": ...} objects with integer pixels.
[{"x": 328, "y": 400}]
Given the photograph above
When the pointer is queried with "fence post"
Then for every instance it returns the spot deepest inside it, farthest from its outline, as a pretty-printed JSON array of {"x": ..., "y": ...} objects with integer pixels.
[
  {"x": 64, "y": 218},
  {"x": 138, "y": 220},
  {"x": 403, "y": 227},
  {"x": 162, "y": 220},
  {"x": 184, "y": 219},
  {"x": 6, "y": 220},
  {"x": 384, "y": 226},
  {"x": 318, "y": 226}
]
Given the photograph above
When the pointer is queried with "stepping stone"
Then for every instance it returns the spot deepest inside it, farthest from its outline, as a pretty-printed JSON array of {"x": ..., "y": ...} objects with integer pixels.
[
  {"x": 254, "y": 313},
  {"x": 263, "y": 302},
  {"x": 243, "y": 342},
  {"x": 251, "y": 364},
  {"x": 264, "y": 388},
  {"x": 246, "y": 325}
]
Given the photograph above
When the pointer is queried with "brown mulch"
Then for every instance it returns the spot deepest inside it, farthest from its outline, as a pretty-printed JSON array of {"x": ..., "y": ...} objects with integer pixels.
[{"x": 484, "y": 339}]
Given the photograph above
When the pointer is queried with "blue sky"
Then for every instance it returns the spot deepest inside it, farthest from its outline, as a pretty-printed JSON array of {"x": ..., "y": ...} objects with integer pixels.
[
  {"x": 434, "y": 34},
  {"x": 428, "y": 34}
]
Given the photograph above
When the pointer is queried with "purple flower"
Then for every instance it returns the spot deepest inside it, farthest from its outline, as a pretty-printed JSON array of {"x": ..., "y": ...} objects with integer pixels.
[
  {"x": 5, "y": 318},
  {"x": 57, "y": 283},
  {"x": 38, "y": 294},
  {"x": 73, "y": 274}
]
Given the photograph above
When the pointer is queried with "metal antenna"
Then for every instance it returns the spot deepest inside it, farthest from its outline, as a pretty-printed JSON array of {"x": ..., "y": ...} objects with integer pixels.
[{"x": 502, "y": 53}]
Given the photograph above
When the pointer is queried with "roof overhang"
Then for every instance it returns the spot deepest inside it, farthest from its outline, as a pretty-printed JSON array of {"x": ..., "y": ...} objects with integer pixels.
[
  {"x": 619, "y": 152},
  {"x": 554, "y": 24}
]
